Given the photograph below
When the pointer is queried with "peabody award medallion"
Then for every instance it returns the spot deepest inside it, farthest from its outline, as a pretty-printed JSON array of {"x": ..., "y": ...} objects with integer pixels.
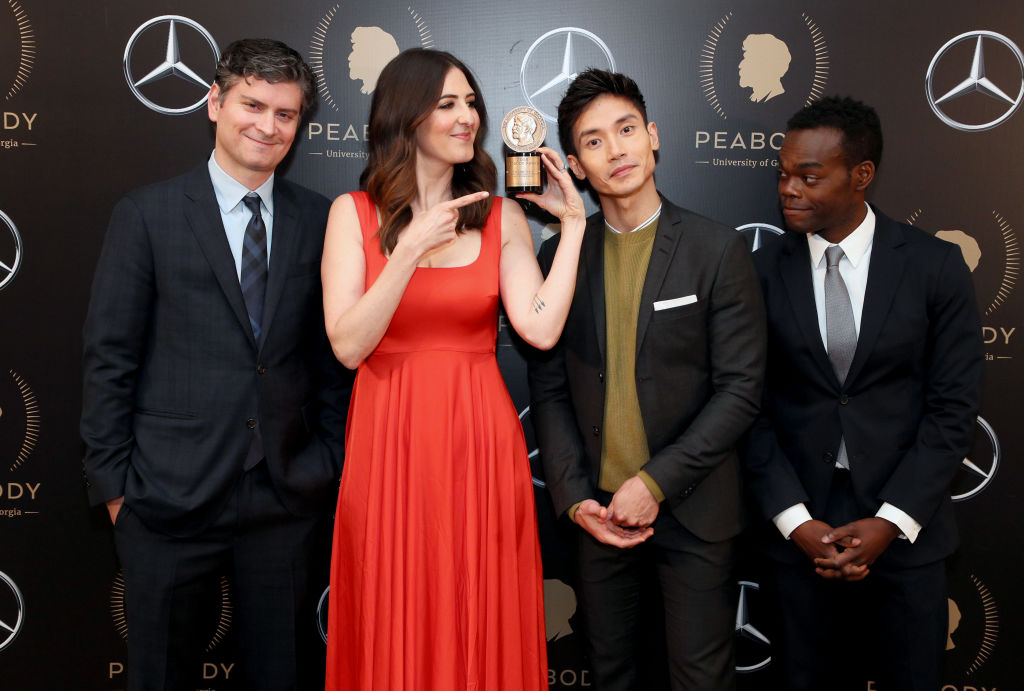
[{"x": 523, "y": 130}]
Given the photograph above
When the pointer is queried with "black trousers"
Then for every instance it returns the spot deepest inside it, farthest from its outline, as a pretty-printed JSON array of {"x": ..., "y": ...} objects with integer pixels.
[
  {"x": 698, "y": 597},
  {"x": 889, "y": 628},
  {"x": 266, "y": 554}
]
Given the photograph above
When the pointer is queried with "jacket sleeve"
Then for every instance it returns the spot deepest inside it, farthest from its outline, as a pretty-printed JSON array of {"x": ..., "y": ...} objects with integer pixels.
[
  {"x": 115, "y": 335},
  {"x": 554, "y": 419}
]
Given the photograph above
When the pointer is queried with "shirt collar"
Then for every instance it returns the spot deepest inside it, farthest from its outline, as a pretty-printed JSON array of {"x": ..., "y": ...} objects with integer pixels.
[
  {"x": 229, "y": 191},
  {"x": 651, "y": 219},
  {"x": 854, "y": 245}
]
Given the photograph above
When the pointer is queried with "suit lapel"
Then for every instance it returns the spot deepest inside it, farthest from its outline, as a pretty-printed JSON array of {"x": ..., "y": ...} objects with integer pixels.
[
  {"x": 884, "y": 276},
  {"x": 203, "y": 216},
  {"x": 670, "y": 230},
  {"x": 285, "y": 223},
  {"x": 795, "y": 268},
  {"x": 592, "y": 263}
]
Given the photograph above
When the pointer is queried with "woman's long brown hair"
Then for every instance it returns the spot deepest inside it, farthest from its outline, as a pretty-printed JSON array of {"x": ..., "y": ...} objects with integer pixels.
[{"x": 407, "y": 93}]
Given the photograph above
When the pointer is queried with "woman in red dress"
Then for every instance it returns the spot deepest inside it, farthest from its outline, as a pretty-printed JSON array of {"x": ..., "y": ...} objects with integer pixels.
[{"x": 436, "y": 577}]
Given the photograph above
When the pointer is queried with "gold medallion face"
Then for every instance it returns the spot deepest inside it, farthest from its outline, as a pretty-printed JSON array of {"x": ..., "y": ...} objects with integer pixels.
[{"x": 523, "y": 129}]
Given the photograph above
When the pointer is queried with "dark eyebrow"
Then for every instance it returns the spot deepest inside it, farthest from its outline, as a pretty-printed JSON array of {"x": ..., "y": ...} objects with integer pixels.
[
  {"x": 261, "y": 104},
  {"x": 471, "y": 94},
  {"x": 624, "y": 118}
]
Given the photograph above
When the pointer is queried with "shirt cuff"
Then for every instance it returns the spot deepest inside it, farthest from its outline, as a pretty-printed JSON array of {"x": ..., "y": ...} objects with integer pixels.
[
  {"x": 652, "y": 485},
  {"x": 901, "y": 519},
  {"x": 572, "y": 511},
  {"x": 792, "y": 518}
]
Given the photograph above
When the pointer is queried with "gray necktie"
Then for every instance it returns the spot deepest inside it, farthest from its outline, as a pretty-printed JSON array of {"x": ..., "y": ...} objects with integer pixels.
[
  {"x": 840, "y": 330},
  {"x": 254, "y": 264}
]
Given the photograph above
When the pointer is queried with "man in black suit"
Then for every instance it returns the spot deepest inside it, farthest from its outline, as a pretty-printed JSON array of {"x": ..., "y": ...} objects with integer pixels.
[
  {"x": 213, "y": 410},
  {"x": 874, "y": 359},
  {"x": 639, "y": 407}
]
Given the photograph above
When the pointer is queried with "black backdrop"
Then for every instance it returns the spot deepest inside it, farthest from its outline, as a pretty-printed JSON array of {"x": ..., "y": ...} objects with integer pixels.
[{"x": 74, "y": 137}]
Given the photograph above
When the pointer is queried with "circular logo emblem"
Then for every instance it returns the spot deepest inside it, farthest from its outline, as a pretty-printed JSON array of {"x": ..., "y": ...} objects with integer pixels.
[
  {"x": 973, "y": 630},
  {"x": 768, "y": 65},
  {"x": 12, "y": 611},
  {"x": 975, "y": 60},
  {"x": 24, "y": 48},
  {"x": 523, "y": 129},
  {"x": 981, "y": 464},
  {"x": 756, "y": 234},
  {"x": 350, "y": 49},
  {"x": 197, "y": 43},
  {"x": 10, "y": 250},
  {"x": 554, "y": 60},
  {"x": 19, "y": 421},
  {"x": 218, "y": 599},
  {"x": 990, "y": 249},
  {"x": 752, "y": 646}
]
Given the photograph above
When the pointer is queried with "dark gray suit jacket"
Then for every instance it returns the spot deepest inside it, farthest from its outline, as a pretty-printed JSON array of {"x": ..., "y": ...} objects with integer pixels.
[
  {"x": 699, "y": 370},
  {"x": 175, "y": 384},
  {"x": 908, "y": 404}
]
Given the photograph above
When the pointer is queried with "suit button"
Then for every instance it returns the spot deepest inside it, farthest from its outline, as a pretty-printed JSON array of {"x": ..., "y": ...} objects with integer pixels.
[
  {"x": 844, "y": 399},
  {"x": 600, "y": 376},
  {"x": 828, "y": 457},
  {"x": 597, "y": 431},
  {"x": 251, "y": 423},
  {"x": 260, "y": 369}
]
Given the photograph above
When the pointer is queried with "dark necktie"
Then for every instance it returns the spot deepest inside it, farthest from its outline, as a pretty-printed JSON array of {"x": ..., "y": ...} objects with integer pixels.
[
  {"x": 254, "y": 264},
  {"x": 840, "y": 330}
]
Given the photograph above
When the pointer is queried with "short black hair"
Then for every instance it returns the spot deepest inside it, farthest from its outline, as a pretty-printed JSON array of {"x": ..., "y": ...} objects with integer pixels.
[
  {"x": 859, "y": 123},
  {"x": 266, "y": 59},
  {"x": 589, "y": 85}
]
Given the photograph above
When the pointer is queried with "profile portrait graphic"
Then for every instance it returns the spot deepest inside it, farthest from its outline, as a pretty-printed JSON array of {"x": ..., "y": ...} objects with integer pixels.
[
  {"x": 968, "y": 246},
  {"x": 521, "y": 129},
  {"x": 559, "y": 608},
  {"x": 765, "y": 62},
  {"x": 372, "y": 48},
  {"x": 954, "y": 623}
]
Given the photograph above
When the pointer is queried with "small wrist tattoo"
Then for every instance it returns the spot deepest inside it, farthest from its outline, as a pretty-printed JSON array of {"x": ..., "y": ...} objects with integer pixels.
[{"x": 538, "y": 304}]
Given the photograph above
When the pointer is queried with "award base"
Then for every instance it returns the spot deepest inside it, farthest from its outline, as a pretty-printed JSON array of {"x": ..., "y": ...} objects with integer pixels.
[{"x": 523, "y": 172}]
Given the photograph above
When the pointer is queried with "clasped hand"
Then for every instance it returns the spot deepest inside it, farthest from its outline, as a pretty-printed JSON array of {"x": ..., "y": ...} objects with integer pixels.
[
  {"x": 626, "y": 521},
  {"x": 847, "y": 552}
]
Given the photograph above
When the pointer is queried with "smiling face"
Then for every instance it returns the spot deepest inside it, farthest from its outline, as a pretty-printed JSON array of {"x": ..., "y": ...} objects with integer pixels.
[
  {"x": 614, "y": 149},
  {"x": 256, "y": 124},
  {"x": 818, "y": 190},
  {"x": 448, "y": 133}
]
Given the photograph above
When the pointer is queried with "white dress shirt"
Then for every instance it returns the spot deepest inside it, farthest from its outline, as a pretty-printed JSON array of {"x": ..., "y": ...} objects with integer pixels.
[{"x": 235, "y": 215}]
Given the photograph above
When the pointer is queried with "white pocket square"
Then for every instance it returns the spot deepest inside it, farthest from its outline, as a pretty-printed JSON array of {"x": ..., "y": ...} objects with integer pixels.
[{"x": 674, "y": 302}]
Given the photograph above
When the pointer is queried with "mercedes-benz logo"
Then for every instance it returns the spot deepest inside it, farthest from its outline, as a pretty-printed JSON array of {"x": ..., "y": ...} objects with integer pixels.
[
  {"x": 757, "y": 234},
  {"x": 975, "y": 81},
  {"x": 172, "y": 65},
  {"x": 12, "y": 611},
  {"x": 10, "y": 251},
  {"x": 745, "y": 629},
  {"x": 533, "y": 452},
  {"x": 544, "y": 92},
  {"x": 977, "y": 471},
  {"x": 321, "y": 613}
]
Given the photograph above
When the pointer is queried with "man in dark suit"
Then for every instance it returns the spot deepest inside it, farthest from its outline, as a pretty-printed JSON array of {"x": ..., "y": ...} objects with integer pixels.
[
  {"x": 874, "y": 358},
  {"x": 639, "y": 407},
  {"x": 213, "y": 410}
]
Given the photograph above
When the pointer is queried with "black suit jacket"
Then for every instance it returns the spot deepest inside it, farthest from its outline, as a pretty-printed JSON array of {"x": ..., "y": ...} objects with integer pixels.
[
  {"x": 908, "y": 405},
  {"x": 175, "y": 384},
  {"x": 699, "y": 370}
]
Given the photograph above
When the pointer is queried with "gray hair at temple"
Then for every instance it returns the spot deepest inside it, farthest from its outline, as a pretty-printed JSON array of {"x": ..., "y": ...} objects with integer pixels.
[{"x": 266, "y": 59}]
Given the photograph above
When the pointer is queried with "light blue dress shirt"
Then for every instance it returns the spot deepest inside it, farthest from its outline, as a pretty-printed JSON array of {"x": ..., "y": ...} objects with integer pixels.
[{"x": 235, "y": 215}]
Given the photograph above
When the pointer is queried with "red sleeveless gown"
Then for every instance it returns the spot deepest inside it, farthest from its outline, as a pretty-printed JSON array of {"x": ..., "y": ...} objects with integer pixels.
[{"x": 436, "y": 580}]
